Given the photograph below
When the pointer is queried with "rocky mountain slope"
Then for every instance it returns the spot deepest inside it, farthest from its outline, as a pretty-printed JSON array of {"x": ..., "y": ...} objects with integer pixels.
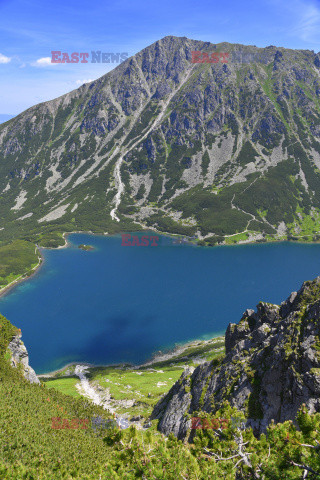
[
  {"x": 271, "y": 368},
  {"x": 20, "y": 358},
  {"x": 224, "y": 151}
]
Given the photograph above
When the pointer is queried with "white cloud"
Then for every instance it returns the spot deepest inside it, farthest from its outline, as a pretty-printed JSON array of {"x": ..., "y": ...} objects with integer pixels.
[
  {"x": 308, "y": 26},
  {"x": 4, "y": 59},
  {"x": 85, "y": 80},
  {"x": 302, "y": 18},
  {"x": 43, "y": 62}
]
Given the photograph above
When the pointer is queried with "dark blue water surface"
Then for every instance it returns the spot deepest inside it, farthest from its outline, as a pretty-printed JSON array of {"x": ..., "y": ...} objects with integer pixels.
[{"x": 121, "y": 304}]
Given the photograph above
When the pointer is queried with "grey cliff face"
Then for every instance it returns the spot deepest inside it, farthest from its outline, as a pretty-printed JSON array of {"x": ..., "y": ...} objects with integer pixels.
[
  {"x": 20, "y": 357},
  {"x": 271, "y": 367}
]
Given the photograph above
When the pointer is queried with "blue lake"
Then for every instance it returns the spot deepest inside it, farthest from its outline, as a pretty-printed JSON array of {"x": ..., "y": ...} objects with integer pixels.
[{"x": 122, "y": 304}]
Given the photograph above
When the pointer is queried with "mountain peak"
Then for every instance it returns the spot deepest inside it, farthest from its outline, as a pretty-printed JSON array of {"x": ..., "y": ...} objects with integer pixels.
[{"x": 220, "y": 149}]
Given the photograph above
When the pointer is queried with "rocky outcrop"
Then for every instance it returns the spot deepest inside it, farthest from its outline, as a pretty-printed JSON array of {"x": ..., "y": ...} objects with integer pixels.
[
  {"x": 271, "y": 367},
  {"x": 20, "y": 357}
]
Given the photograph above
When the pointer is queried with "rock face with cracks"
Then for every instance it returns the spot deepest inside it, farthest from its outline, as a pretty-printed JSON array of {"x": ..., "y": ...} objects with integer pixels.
[
  {"x": 20, "y": 356},
  {"x": 271, "y": 368}
]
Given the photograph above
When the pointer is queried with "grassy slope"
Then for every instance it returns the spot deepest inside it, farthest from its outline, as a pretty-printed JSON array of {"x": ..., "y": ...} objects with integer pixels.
[
  {"x": 16, "y": 258},
  {"x": 144, "y": 384},
  {"x": 31, "y": 449}
]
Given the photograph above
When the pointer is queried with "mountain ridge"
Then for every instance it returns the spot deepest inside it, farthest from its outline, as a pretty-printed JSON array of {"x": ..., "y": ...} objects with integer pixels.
[{"x": 224, "y": 152}]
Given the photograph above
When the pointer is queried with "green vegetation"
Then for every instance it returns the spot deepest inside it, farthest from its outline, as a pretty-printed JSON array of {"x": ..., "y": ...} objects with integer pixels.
[
  {"x": 247, "y": 154},
  {"x": 146, "y": 117},
  {"x": 65, "y": 385},
  {"x": 143, "y": 385},
  {"x": 17, "y": 259},
  {"x": 87, "y": 248},
  {"x": 205, "y": 163},
  {"x": 167, "y": 224},
  {"x": 31, "y": 449},
  {"x": 213, "y": 213},
  {"x": 234, "y": 239},
  {"x": 268, "y": 87}
]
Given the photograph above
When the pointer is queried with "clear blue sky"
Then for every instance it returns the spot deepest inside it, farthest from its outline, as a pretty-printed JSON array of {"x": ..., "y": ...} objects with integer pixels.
[{"x": 30, "y": 29}]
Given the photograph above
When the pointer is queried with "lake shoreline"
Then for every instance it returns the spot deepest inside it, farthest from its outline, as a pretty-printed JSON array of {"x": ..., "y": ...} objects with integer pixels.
[
  {"x": 7, "y": 288},
  {"x": 184, "y": 237},
  {"x": 22, "y": 278},
  {"x": 157, "y": 357},
  {"x": 212, "y": 281}
]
